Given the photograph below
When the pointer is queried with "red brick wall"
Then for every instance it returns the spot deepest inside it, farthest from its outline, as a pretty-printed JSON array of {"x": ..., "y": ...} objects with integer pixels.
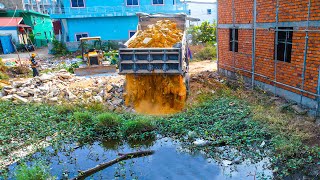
[
  {"x": 266, "y": 11},
  {"x": 287, "y": 73},
  {"x": 243, "y": 11},
  {"x": 225, "y": 12}
]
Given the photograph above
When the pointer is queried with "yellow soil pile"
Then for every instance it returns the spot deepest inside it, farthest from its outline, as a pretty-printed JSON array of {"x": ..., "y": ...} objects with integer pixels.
[
  {"x": 163, "y": 34},
  {"x": 155, "y": 94}
]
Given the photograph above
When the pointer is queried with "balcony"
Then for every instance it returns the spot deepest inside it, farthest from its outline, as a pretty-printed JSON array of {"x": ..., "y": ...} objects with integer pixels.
[{"x": 110, "y": 11}]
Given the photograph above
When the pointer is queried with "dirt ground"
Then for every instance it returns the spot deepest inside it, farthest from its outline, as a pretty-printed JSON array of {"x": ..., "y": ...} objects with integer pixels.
[
  {"x": 41, "y": 52},
  {"x": 199, "y": 66}
]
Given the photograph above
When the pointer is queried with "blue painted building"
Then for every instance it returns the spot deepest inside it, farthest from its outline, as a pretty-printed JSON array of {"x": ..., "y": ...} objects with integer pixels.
[
  {"x": 110, "y": 19},
  {"x": 41, "y": 6}
]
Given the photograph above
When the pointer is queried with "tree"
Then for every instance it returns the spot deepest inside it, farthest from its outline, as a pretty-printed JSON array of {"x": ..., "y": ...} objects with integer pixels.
[{"x": 205, "y": 33}]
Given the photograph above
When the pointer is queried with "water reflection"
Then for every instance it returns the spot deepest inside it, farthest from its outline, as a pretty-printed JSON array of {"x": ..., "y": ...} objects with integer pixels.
[{"x": 168, "y": 162}]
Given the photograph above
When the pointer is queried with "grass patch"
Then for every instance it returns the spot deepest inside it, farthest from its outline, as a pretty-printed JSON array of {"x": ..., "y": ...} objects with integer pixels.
[
  {"x": 139, "y": 128},
  {"x": 37, "y": 171},
  {"x": 207, "y": 53},
  {"x": 108, "y": 120},
  {"x": 83, "y": 117}
]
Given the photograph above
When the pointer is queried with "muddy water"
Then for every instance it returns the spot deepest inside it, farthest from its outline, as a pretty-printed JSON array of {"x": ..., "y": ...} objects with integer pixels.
[
  {"x": 155, "y": 94},
  {"x": 170, "y": 161}
]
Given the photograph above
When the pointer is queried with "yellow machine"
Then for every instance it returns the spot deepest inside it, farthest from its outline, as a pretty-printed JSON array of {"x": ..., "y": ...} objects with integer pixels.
[{"x": 92, "y": 56}]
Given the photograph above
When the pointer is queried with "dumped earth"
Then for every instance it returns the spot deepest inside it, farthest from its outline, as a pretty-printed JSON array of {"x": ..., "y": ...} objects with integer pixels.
[
  {"x": 156, "y": 94},
  {"x": 162, "y": 34},
  {"x": 63, "y": 87}
]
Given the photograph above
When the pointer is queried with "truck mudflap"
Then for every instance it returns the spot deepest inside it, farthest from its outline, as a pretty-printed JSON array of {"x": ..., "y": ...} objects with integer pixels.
[{"x": 95, "y": 69}]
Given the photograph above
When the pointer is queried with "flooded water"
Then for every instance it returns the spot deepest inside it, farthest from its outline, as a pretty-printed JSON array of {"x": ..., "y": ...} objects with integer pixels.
[{"x": 170, "y": 161}]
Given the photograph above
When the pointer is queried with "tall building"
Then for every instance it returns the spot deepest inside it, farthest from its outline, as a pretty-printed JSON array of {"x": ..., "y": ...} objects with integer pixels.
[
  {"x": 274, "y": 44},
  {"x": 112, "y": 20}
]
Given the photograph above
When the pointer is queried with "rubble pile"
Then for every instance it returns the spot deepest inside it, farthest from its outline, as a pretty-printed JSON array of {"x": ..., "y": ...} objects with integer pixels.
[
  {"x": 63, "y": 87},
  {"x": 163, "y": 34}
]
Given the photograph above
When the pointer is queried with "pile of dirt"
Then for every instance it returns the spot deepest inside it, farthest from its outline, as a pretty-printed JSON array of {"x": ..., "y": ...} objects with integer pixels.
[
  {"x": 162, "y": 34},
  {"x": 156, "y": 94}
]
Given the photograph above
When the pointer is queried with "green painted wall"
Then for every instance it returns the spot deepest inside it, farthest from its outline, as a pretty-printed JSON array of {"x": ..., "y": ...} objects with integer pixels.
[{"x": 41, "y": 25}]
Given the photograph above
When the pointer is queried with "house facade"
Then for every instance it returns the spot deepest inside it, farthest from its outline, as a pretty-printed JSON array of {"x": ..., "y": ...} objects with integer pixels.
[
  {"x": 205, "y": 11},
  {"x": 274, "y": 44},
  {"x": 12, "y": 31},
  {"x": 41, "y": 25},
  {"x": 41, "y": 6},
  {"x": 112, "y": 20}
]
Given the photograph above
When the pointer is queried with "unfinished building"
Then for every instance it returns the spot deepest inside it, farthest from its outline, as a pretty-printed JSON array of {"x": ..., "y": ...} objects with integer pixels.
[{"x": 273, "y": 44}]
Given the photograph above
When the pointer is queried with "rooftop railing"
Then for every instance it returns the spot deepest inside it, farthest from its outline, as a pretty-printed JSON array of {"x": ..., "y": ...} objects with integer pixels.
[{"x": 103, "y": 11}]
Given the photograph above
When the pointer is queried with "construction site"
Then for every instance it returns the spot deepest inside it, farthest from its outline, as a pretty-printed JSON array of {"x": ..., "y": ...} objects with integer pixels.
[
  {"x": 274, "y": 45},
  {"x": 235, "y": 99}
]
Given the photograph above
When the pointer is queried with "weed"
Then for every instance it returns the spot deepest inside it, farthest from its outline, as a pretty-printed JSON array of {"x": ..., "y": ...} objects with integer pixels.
[
  {"x": 66, "y": 108},
  {"x": 107, "y": 120},
  {"x": 37, "y": 171},
  {"x": 82, "y": 117},
  {"x": 3, "y": 76},
  {"x": 207, "y": 53},
  {"x": 140, "y": 128},
  {"x": 95, "y": 107},
  {"x": 59, "y": 48}
]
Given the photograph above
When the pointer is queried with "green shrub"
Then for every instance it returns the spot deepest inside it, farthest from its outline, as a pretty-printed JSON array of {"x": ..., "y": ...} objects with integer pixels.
[
  {"x": 66, "y": 108},
  {"x": 207, "y": 53},
  {"x": 138, "y": 126},
  {"x": 72, "y": 67},
  {"x": 204, "y": 33},
  {"x": 59, "y": 48},
  {"x": 38, "y": 171},
  {"x": 3, "y": 68},
  {"x": 107, "y": 120},
  {"x": 82, "y": 117},
  {"x": 3, "y": 76}
]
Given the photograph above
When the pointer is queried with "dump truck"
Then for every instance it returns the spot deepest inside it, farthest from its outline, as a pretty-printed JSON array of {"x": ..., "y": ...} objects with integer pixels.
[
  {"x": 93, "y": 57},
  {"x": 157, "y": 79},
  {"x": 165, "y": 61}
]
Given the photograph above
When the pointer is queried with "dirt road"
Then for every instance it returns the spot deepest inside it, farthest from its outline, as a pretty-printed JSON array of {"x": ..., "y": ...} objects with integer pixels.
[
  {"x": 42, "y": 53},
  {"x": 199, "y": 66}
]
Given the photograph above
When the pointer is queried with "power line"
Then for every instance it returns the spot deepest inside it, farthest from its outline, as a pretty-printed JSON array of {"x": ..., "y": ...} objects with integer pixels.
[{"x": 11, "y": 18}]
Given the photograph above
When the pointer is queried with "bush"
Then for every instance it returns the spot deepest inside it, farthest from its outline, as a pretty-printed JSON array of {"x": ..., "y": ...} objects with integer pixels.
[
  {"x": 20, "y": 47},
  {"x": 59, "y": 48},
  {"x": 138, "y": 126},
  {"x": 3, "y": 76},
  {"x": 207, "y": 53},
  {"x": 82, "y": 117},
  {"x": 205, "y": 33},
  {"x": 3, "y": 68},
  {"x": 36, "y": 172},
  {"x": 107, "y": 120}
]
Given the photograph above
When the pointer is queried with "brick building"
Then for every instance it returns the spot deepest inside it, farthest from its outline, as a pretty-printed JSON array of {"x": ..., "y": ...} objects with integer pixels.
[{"x": 274, "y": 44}]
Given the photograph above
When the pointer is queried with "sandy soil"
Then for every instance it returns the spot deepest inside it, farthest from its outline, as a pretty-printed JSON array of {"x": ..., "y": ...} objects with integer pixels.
[{"x": 207, "y": 65}]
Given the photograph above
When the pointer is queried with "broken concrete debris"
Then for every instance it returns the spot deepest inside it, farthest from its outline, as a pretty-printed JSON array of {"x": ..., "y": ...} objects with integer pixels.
[{"x": 63, "y": 87}]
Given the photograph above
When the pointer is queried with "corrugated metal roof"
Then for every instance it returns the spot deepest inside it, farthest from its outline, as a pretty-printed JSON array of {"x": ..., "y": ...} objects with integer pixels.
[{"x": 8, "y": 21}]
